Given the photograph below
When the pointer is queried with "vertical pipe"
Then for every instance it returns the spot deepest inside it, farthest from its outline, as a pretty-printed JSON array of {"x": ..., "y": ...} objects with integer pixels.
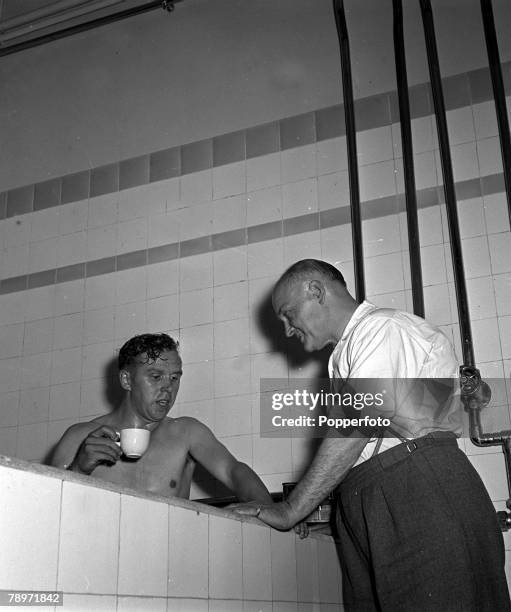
[
  {"x": 408, "y": 169},
  {"x": 499, "y": 94},
  {"x": 450, "y": 194},
  {"x": 506, "y": 446},
  {"x": 351, "y": 140}
]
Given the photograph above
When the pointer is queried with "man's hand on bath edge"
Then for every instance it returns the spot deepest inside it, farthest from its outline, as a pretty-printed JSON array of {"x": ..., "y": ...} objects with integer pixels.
[
  {"x": 279, "y": 516},
  {"x": 98, "y": 447},
  {"x": 301, "y": 528}
]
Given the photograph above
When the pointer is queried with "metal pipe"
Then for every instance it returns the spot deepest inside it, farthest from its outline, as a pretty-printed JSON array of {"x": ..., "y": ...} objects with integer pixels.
[
  {"x": 485, "y": 439},
  {"x": 408, "y": 166},
  {"x": 499, "y": 94},
  {"x": 351, "y": 140},
  {"x": 50, "y": 15},
  {"x": 450, "y": 194},
  {"x": 506, "y": 445},
  {"x": 475, "y": 393},
  {"x": 82, "y": 27}
]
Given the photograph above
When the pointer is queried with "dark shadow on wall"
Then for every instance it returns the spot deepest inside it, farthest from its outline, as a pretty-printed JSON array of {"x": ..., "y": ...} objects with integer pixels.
[
  {"x": 273, "y": 329},
  {"x": 112, "y": 390},
  {"x": 112, "y": 394}
]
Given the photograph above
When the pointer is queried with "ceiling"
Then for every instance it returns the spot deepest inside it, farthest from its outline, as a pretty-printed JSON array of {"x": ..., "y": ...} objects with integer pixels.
[{"x": 31, "y": 22}]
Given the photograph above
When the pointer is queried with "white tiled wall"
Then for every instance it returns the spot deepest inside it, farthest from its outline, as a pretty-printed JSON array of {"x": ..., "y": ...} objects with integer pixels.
[
  {"x": 89, "y": 521},
  {"x": 110, "y": 551},
  {"x": 30, "y": 536},
  {"x": 57, "y": 342}
]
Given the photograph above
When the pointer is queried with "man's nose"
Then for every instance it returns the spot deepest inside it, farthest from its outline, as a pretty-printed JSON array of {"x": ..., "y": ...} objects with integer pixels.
[{"x": 166, "y": 383}]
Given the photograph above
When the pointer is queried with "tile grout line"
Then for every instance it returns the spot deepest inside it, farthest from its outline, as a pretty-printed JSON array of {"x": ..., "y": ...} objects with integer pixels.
[{"x": 59, "y": 535}]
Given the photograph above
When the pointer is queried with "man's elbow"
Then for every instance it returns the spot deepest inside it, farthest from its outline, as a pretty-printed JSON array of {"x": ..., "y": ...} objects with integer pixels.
[
  {"x": 56, "y": 459},
  {"x": 241, "y": 471},
  {"x": 248, "y": 485}
]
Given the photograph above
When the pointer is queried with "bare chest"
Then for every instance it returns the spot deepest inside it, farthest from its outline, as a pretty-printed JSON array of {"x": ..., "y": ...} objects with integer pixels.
[{"x": 165, "y": 469}]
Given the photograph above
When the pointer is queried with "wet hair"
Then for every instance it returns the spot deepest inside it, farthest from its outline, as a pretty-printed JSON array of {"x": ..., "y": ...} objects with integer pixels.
[
  {"x": 152, "y": 345},
  {"x": 310, "y": 268}
]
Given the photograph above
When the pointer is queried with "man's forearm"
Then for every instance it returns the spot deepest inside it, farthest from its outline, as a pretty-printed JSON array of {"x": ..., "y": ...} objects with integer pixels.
[
  {"x": 334, "y": 458},
  {"x": 248, "y": 486},
  {"x": 332, "y": 461}
]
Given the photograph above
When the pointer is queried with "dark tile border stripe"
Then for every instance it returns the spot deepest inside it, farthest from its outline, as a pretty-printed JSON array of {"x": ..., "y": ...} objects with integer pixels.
[
  {"x": 166, "y": 252},
  {"x": 70, "y": 273},
  {"x": 265, "y": 231},
  {"x": 375, "y": 111},
  {"x": 100, "y": 266},
  {"x": 301, "y": 224},
  {"x": 42, "y": 279},
  {"x": 135, "y": 259},
  {"x": 195, "y": 246},
  {"x": 229, "y": 240},
  {"x": 332, "y": 217},
  {"x": 13, "y": 284}
]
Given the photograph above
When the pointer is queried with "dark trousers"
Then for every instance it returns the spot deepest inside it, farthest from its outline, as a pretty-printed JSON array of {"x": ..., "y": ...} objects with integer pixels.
[{"x": 418, "y": 532}]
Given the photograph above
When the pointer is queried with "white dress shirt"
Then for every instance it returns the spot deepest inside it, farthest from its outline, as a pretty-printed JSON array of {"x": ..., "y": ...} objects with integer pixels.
[{"x": 392, "y": 344}]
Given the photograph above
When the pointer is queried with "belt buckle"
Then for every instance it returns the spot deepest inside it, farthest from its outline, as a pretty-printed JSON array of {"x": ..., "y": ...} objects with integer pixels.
[{"x": 411, "y": 446}]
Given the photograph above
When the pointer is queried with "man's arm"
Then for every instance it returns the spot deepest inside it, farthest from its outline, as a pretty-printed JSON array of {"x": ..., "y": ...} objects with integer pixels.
[
  {"x": 334, "y": 458},
  {"x": 374, "y": 357},
  {"x": 84, "y": 446},
  {"x": 212, "y": 455},
  {"x": 66, "y": 448}
]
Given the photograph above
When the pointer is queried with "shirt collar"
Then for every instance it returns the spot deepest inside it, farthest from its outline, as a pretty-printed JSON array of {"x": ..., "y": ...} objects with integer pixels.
[{"x": 361, "y": 311}]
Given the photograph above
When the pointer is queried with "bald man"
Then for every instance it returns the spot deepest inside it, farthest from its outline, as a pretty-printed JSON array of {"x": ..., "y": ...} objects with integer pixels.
[{"x": 417, "y": 528}]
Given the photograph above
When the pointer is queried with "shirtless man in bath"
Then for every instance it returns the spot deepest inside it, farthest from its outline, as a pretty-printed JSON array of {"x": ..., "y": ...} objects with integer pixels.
[{"x": 150, "y": 371}]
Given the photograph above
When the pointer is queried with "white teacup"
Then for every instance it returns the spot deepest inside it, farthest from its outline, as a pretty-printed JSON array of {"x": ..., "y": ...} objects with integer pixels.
[{"x": 134, "y": 442}]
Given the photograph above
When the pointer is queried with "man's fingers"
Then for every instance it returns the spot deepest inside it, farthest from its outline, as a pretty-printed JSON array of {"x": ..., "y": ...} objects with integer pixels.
[
  {"x": 109, "y": 449},
  {"x": 302, "y": 530},
  {"x": 234, "y": 507},
  {"x": 101, "y": 441},
  {"x": 246, "y": 510},
  {"x": 93, "y": 444},
  {"x": 104, "y": 456},
  {"x": 104, "y": 432}
]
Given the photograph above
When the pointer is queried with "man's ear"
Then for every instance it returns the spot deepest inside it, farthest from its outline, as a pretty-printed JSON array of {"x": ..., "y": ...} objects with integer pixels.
[
  {"x": 125, "y": 379},
  {"x": 317, "y": 290}
]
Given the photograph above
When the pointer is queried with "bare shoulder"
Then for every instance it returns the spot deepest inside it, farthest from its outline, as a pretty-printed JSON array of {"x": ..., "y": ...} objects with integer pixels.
[
  {"x": 184, "y": 425},
  {"x": 191, "y": 431},
  {"x": 80, "y": 430}
]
